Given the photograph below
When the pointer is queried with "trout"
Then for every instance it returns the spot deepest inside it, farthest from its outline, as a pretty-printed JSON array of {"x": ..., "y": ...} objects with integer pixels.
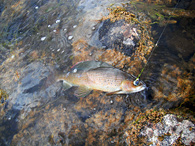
[{"x": 96, "y": 75}]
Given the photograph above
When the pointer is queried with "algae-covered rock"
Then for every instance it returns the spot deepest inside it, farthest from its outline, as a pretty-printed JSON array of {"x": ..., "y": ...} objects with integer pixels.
[{"x": 169, "y": 131}]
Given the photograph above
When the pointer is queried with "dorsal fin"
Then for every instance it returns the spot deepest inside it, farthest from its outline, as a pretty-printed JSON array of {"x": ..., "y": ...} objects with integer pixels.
[{"x": 88, "y": 65}]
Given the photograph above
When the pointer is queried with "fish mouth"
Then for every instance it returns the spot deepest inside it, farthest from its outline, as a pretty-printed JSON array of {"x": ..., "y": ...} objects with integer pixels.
[
  {"x": 142, "y": 88},
  {"x": 134, "y": 90},
  {"x": 139, "y": 88}
]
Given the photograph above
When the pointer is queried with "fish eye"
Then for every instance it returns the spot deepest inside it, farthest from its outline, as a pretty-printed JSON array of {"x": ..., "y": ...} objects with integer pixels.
[{"x": 136, "y": 82}]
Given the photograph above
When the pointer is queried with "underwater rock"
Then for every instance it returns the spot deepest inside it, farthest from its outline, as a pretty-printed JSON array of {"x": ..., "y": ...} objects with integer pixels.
[
  {"x": 33, "y": 88},
  {"x": 169, "y": 131},
  {"x": 52, "y": 125},
  {"x": 119, "y": 35}
]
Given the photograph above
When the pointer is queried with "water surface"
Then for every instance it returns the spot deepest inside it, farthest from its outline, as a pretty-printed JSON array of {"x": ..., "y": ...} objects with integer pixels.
[{"x": 41, "y": 38}]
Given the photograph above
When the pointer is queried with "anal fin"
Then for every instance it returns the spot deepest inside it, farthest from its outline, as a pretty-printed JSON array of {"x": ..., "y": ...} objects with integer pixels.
[{"x": 82, "y": 91}]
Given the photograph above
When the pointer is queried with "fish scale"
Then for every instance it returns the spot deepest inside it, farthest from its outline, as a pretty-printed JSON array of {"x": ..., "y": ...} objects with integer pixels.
[{"x": 105, "y": 79}]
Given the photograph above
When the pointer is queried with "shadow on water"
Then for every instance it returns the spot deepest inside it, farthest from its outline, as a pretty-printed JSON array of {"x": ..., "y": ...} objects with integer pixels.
[
  {"x": 8, "y": 126},
  {"x": 175, "y": 49}
]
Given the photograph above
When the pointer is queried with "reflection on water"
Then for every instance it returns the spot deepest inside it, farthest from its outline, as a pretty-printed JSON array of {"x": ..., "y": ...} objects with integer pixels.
[{"x": 41, "y": 38}]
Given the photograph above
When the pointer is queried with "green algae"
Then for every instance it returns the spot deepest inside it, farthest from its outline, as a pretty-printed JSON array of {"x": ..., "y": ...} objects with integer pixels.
[{"x": 159, "y": 12}]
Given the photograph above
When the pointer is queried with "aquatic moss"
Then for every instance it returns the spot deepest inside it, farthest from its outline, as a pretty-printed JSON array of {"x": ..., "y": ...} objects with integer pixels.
[
  {"x": 159, "y": 12},
  {"x": 120, "y": 13},
  {"x": 3, "y": 96},
  {"x": 185, "y": 109},
  {"x": 181, "y": 83}
]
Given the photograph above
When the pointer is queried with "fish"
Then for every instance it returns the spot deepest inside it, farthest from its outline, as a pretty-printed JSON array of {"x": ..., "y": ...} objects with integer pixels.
[{"x": 97, "y": 75}]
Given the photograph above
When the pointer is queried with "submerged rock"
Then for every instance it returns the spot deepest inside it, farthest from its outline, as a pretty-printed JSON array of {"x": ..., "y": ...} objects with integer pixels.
[
  {"x": 32, "y": 88},
  {"x": 119, "y": 35},
  {"x": 169, "y": 131}
]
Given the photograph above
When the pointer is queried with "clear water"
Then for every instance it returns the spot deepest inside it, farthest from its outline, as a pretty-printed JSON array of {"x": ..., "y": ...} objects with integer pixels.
[{"x": 40, "y": 38}]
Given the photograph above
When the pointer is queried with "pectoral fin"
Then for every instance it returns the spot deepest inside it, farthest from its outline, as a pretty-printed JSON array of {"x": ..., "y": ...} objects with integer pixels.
[
  {"x": 115, "y": 92},
  {"x": 82, "y": 91},
  {"x": 66, "y": 85}
]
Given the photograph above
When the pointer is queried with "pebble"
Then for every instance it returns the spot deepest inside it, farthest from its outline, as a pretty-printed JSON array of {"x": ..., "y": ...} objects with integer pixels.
[
  {"x": 49, "y": 26},
  {"x": 54, "y": 30},
  {"x": 43, "y": 38},
  {"x": 74, "y": 26},
  {"x": 9, "y": 118},
  {"x": 70, "y": 37},
  {"x": 36, "y": 7},
  {"x": 58, "y": 21}
]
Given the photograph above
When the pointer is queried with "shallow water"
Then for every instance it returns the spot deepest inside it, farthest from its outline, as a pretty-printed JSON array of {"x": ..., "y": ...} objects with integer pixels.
[{"x": 41, "y": 38}]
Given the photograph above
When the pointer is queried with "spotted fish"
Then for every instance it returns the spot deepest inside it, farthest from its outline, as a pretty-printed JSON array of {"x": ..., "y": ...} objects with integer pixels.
[{"x": 96, "y": 75}]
